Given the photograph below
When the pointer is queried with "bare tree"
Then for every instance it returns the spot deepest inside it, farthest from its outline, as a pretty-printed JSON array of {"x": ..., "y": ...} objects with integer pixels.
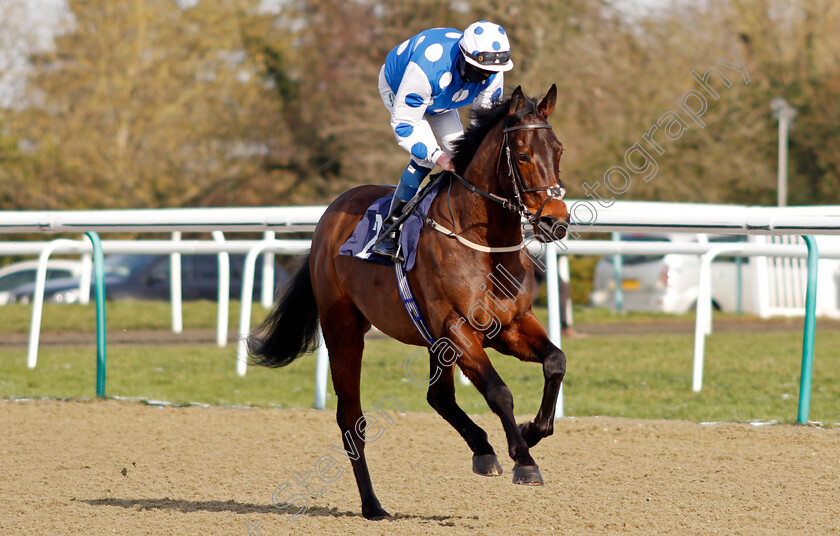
[{"x": 146, "y": 103}]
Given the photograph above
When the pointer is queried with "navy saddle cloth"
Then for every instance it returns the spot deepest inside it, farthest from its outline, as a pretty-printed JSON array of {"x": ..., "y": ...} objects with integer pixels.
[{"x": 359, "y": 245}]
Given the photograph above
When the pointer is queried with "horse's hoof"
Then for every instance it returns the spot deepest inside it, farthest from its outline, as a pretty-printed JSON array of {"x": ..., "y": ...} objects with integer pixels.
[
  {"x": 378, "y": 514},
  {"x": 486, "y": 465},
  {"x": 527, "y": 475}
]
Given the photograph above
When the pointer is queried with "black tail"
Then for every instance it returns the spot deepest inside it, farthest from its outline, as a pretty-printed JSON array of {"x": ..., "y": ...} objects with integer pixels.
[{"x": 291, "y": 329}]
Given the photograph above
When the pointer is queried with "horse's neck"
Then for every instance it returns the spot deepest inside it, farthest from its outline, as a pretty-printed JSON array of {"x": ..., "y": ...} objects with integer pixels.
[{"x": 479, "y": 216}]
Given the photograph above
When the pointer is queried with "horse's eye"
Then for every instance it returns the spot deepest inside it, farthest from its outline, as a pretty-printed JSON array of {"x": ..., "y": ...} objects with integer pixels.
[{"x": 523, "y": 157}]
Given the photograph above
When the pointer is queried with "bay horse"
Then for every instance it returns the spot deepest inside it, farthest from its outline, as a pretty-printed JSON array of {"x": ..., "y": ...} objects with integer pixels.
[{"x": 507, "y": 164}]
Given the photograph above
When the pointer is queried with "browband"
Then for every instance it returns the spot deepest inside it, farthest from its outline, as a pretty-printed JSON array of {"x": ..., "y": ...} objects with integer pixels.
[{"x": 523, "y": 127}]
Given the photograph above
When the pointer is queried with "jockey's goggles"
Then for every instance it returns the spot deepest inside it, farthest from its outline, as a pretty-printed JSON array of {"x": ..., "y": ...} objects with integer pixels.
[{"x": 489, "y": 58}]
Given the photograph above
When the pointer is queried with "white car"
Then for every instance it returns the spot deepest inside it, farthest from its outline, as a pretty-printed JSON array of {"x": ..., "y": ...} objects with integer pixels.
[
  {"x": 668, "y": 283},
  {"x": 23, "y": 273}
]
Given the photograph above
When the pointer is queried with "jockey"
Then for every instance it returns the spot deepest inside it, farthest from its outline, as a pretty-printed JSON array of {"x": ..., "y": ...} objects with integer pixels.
[{"x": 423, "y": 82}]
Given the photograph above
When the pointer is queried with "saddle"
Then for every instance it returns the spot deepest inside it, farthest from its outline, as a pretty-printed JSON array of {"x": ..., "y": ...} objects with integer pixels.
[{"x": 413, "y": 219}]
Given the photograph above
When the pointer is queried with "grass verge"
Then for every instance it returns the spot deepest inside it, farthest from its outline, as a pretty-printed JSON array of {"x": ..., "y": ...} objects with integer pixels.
[{"x": 748, "y": 376}]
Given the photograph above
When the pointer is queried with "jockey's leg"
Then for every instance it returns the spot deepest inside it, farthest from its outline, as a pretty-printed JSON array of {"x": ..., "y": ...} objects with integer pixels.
[{"x": 410, "y": 181}]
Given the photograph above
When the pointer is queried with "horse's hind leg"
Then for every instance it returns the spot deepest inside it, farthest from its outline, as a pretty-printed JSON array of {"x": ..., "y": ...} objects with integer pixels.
[
  {"x": 441, "y": 396},
  {"x": 344, "y": 328}
]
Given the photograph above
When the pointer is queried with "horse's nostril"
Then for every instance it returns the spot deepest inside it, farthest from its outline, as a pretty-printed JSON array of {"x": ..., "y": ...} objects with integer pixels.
[{"x": 552, "y": 228}]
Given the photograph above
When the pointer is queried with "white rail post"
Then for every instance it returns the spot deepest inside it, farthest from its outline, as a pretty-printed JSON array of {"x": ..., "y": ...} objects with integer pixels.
[
  {"x": 84, "y": 278},
  {"x": 247, "y": 293},
  {"x": 703, "y": 316},
  {"x": 553, "y": 294},
  {"x": 761, "y": 283},
  {"x": 223, "y": 314},
  {"x": 248, "y": 270},
  {"x": 267, "y": 294},
  {"x": 245, "y": 313},
  {"x": 38, "y": 298},
  {"x": 618, "y": 270},
  {"x": 175, "y": 287},
  {"x": 564, "y": 272}
]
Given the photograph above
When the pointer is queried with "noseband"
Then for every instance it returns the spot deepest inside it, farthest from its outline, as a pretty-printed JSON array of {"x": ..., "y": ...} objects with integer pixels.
[{"x": 517, "y": 204}]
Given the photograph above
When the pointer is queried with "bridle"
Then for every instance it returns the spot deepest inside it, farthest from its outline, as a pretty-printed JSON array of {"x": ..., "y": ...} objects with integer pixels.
[
  {"x": 553, "y": 192},
  {"x": 516, "y": 204}
]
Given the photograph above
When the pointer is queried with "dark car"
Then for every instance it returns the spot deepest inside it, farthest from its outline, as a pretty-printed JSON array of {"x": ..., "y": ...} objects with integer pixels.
[{"x": 146, "y": 277}]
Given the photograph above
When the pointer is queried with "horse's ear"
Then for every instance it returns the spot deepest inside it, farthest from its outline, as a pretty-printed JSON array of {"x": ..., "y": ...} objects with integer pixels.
[
  {"x": 517, "y": 100},
  {"x": 546, "y": 106}
]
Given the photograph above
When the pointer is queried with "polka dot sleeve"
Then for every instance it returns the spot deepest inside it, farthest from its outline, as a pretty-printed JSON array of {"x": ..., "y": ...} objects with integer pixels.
[
  {"x": 413, "y": 133},
  {"x": 492, "y": 93}
]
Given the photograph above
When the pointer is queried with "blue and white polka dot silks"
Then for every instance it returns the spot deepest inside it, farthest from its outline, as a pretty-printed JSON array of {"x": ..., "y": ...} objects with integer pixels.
[{"x": 423, "y": 74}]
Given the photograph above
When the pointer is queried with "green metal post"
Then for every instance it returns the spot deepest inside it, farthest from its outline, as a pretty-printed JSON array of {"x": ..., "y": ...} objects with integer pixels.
[
  {"x": 808, "y": 337},
  {"x": 99, "y": 282}
]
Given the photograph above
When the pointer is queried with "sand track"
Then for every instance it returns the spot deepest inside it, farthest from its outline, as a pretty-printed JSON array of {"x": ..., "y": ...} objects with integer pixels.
[{"x": 113, "y": 467}]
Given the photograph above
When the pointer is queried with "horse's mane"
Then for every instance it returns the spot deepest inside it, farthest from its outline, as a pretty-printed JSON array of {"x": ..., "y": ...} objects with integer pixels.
[{"x": 482, "y": 120}]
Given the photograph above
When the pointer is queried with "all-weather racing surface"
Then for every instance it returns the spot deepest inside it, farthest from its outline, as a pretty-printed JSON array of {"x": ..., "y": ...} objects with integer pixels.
[{"x": 119, "y": 467}]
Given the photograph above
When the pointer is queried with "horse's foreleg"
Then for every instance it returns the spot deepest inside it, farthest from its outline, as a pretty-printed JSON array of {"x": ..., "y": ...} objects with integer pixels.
[
  {"x": 554, "y": 369},
  {"x": 441, "y": 396},
  {"x": 477, "y": 367},
  {"x": 529, "y": 342},
  {"x": 344, "y": 336}
]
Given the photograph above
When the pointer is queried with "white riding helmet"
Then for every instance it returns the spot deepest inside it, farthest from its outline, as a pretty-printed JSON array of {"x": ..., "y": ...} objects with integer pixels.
[{"x": 485, "y": 45}]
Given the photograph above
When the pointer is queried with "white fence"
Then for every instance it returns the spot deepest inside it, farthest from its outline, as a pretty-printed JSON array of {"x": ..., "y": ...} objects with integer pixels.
[
  {"x": 586, "y": 217},
  {"x": 175, "y": 248}
]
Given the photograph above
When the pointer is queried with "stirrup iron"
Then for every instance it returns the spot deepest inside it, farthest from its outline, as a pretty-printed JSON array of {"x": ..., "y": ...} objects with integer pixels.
[{"x": 388, "y": 242}]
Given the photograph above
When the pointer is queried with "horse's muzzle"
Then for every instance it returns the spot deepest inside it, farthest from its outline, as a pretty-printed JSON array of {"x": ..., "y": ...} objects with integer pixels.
[
  {"x": 553, "y": 224},
  {"x": 550, "y": 229}
]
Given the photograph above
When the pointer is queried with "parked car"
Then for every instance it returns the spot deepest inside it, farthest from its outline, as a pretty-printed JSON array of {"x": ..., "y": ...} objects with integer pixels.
[
  {"x": 146, "y": 277},
  {"x": 668, "y": 283},
  {"x": 23, "y": 273}
]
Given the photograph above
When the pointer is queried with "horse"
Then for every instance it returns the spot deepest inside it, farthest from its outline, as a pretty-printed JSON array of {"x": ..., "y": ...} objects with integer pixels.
[{"x": 507, "y": 167}]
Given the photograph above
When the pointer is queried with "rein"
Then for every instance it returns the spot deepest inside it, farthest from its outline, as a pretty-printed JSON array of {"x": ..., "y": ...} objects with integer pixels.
[{"x": 516, "y": 204}]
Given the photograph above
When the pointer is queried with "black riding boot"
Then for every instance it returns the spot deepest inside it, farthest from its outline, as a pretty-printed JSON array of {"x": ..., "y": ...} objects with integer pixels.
[{"x": 390, "y": 245}]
